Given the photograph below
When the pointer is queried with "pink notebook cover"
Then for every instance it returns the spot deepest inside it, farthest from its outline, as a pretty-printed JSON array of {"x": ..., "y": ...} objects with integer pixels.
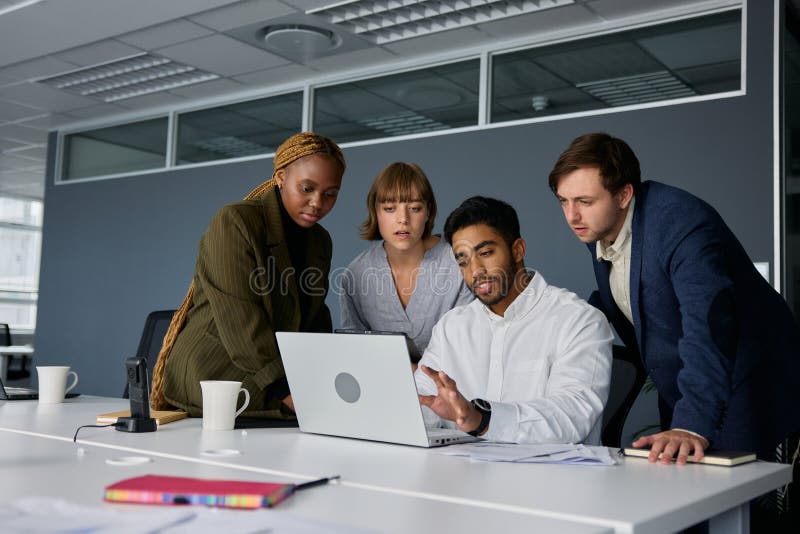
[{"x": 155, "y": 489}]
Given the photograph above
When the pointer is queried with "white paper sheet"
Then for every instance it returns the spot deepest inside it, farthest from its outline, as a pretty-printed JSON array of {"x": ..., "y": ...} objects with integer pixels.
[
  {"x": 532, "y": 453},
  {"x": 44, "y": 515}
]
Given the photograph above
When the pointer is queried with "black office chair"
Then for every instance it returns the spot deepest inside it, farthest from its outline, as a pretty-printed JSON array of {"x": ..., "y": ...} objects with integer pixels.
[
  {"x": 627, "y": 378},
  {"x": 14, "y": 372},
  {"x": 155, "y": 328}
]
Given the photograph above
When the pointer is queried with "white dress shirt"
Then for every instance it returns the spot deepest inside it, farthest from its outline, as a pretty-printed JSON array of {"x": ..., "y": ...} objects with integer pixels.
[
  {"x": 619, "y": 254},
  {"x": 545, "y": 366}
]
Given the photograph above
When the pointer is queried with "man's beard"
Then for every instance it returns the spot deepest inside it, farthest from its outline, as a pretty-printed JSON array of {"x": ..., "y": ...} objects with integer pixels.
[{"x": 503, "y": 281}]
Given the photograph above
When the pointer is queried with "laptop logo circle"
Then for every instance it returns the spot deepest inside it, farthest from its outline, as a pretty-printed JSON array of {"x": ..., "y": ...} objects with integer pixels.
[{"x": 347, "y": 387}]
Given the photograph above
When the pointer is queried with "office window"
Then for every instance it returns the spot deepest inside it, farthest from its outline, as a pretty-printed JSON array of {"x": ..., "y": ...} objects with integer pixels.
[
  {"x": 20, "y": 250},
  {"x": 681, "y": 59},
  {"x": 129, "y": 147},
  {"x": 425, "y": 100},
  {"x": 237, "y": 130}
]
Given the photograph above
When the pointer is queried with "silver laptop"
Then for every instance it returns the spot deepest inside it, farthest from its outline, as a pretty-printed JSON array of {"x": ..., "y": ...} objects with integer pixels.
[{"x": 358, "y": 386}]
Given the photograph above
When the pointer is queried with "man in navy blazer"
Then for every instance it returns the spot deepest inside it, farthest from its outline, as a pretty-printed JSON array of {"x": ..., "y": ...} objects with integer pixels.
[{"x": 720, "y": 345}]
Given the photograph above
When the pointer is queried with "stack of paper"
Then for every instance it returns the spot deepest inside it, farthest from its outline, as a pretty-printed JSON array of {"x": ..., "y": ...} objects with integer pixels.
[{"x": 544, "y": 453}]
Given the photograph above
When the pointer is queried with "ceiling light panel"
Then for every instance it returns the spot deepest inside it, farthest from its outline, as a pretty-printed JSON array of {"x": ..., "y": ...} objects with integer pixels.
[
  {"x": 650, "y": 87},
  {"x": 128, "y": 77},
  {"x": 386, "y": 21}
]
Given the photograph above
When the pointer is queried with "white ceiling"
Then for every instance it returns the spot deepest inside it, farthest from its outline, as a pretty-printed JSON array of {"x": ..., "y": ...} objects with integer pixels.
[{"x": 55, "y": 36}]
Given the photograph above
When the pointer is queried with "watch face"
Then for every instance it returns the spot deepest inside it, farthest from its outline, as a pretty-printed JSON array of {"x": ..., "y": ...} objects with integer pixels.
[{"x": 482, "y": 405}]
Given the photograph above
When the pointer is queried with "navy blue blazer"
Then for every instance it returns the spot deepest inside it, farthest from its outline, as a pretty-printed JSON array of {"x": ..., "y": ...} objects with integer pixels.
[{"x": 718, "y": 341}]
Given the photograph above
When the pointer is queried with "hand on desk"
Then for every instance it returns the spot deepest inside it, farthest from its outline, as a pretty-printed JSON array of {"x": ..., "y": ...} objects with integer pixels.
[
  {"x": 449, "y": 403},
  {"x": 670, "y": 442}
]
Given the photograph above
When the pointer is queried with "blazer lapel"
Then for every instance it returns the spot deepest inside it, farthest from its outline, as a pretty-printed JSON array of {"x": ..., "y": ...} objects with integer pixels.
[
  {"x": 284, "y": 300},
  {"x": 637, "y": 239}
]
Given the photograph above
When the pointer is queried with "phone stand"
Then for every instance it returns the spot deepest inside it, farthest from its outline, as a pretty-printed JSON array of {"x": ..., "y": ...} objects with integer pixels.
[{"x": 139, "y": 391}]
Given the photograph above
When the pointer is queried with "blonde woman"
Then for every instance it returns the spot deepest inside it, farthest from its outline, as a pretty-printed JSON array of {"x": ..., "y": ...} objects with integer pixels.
[{"x": 408, "y": 279}]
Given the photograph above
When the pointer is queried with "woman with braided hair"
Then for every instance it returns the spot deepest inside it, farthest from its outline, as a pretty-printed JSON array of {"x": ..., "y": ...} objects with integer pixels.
[{"x": 262, "y": 267}]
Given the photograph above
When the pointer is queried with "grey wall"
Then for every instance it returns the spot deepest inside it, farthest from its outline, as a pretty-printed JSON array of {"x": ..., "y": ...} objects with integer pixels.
[{"x": 114, "y": 250}]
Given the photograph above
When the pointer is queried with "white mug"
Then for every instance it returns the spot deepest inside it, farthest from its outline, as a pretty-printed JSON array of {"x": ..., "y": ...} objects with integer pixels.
[
  {"x": 219, "y": 403},
  {"x": 53, "y": 382}
]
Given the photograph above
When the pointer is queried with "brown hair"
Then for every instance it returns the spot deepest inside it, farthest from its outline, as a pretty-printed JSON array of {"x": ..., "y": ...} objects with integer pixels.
[
  {"x": 398, "y": 182},
  {"x": 613, "y": 157},
  {"x": 294, "y": 148}
]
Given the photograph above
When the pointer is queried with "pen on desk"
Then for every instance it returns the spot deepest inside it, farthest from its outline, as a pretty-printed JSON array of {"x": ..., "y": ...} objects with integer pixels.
[{"x": 306, "y": 485}]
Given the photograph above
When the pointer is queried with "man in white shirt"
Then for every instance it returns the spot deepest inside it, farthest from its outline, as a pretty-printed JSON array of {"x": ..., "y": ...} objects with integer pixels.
[{"x": 534, "y": 359}]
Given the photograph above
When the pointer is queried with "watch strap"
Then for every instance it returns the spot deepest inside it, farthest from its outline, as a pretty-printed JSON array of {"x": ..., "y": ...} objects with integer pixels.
[{"x": 486, "y": 416}]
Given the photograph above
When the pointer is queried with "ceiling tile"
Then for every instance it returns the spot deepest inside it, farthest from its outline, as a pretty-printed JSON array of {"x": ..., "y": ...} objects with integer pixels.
[
  {"x": 98, "y": 110},
  {"x": 278, "y": 75},
  {"x": 53, "y": 26},
  {"x": 42, "y": 96},
  {"x": 10, "y": 112},
  {"x": 153, "y": 100},
  {"x": 35, "y": 68},
  {"x": 438, "y": 42},
  {"x": 101, "y": 52},
  {"x": 359, "y": 58},
  {"x": 540, "y": 22},
  {"x": 12, "y": 162},
  {"x": 7, "y": 144},
  {"x": 208, "y": 89},
  {"x": 610, "y": 9},
  {"x": 17, "y": 132},
  {"x": 47, "y": 122},
  {"x": 222, "y": 55},
  {"x": 167, "y": 34},
  {"x": 35, "y": 153},
  {"x": 305, "y": 5},
  {"x": 241, "y": 13}
]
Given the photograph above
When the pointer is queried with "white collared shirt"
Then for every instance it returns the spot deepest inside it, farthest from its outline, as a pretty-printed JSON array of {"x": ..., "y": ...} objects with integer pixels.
[
  {"x": 544, "y": 366},
  {"x": 619, "y": 254}
]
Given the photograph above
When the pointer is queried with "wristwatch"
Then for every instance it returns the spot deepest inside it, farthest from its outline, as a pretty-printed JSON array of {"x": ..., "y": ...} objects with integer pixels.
[{"x": 485, "y": 410}]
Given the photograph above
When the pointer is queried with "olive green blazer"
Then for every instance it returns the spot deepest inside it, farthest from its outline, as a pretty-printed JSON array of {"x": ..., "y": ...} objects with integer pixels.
[{"x": 245, "y": 291}]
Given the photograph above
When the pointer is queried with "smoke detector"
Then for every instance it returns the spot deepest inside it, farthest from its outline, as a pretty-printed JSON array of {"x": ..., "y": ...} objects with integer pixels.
[{"x": 540, "y": 102}]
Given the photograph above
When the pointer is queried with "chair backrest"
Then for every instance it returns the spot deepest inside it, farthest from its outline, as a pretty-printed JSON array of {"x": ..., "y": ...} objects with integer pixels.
[
  {"x": 627, "y": 378},
  {"x": 5, "y": 335},
  {"x": 155, "y": 327}
]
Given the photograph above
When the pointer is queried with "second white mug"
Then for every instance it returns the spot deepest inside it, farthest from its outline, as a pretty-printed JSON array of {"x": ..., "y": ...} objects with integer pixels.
[
  {"x": 53, "y": 382},
  {"x": 219, "y": 403}
]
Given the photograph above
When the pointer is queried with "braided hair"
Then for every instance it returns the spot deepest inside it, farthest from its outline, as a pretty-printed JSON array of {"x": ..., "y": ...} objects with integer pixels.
[{"x": 295, "y": 147}]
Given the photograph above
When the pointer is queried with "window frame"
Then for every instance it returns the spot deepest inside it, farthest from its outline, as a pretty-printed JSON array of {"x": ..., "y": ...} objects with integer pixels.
[{"x": 484, "y": 54}]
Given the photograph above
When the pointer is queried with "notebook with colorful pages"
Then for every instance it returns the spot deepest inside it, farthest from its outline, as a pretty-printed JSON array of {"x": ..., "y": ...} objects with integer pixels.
[
  {"x": 724, "y": 458},
  {"x": 166, "y": 490},
  {"x": 162, "y": 417}
]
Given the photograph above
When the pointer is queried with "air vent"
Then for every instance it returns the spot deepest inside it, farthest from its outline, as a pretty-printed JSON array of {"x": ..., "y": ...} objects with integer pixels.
[
  {"x": 385, "y": 21},
  {"x": 638, "y": 89},
  {"x": 128, "y": 77},
  {"x": 306, "y": 42}
]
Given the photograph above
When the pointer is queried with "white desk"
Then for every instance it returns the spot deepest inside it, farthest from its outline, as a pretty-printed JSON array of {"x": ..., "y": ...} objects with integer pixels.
[
  {"x": 656, "y": 498},
  {"x": 35, "y": 466},
  {"x": 6, "y": 351}
]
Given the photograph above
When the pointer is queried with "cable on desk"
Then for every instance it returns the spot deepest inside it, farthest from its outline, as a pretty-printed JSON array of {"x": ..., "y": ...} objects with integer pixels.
[{"x": 75, "y": 437}]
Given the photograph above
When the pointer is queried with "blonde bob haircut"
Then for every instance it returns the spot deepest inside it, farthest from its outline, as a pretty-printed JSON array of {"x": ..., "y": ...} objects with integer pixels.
[{"x": 398, "y": 182}]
